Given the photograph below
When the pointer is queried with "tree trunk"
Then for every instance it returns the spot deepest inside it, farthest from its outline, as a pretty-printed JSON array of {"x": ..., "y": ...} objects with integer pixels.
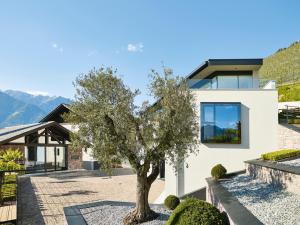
[{"x": 142, "y": 211}]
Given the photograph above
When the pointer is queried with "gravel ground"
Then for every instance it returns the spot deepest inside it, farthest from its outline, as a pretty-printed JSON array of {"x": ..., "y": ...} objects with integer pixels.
[
  {"x": 269, "y": 204},
  {"x": 113, "y": 214},
  {"x": 295, "y": 162}
]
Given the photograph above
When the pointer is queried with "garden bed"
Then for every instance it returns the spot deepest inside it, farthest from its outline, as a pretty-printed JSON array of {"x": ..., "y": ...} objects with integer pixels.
[
  {"x": 110, "y": 212},
  {"x": 270, "y": 204},
  {"x": 294, "y": 162}
]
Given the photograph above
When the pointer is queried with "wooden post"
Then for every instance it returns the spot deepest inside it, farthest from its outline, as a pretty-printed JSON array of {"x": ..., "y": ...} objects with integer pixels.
[
  {"x": 55, "y": 158},
  {"x": 45, "y": 149},
  {"x": 66, "y": 157},
  {"x": 2, "y": 174}
]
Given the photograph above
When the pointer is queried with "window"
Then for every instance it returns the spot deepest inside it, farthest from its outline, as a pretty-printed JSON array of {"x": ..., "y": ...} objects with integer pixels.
[
  {"x": 221, "y": 123},
  {"x": 228, "y": 82},
  {"x": 32, "y": 153},
  {"x": 245, "y": 82}
]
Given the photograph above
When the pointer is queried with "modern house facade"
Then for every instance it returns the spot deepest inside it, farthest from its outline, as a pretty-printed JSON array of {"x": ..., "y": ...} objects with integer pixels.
[{"x": 238, "y": 120}]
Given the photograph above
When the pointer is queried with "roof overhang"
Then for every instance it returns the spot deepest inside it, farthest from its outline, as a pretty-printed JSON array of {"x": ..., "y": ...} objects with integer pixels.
[
  {"x": 212, "y": 65},
  {"x": 9, "y": 134}
]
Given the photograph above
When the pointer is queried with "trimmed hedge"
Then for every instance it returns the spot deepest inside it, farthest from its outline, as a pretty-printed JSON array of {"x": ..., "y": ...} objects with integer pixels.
[
  {"x": 171, "y": 202},
  {"x": 218, "y": 171},
  {"x": 281, "y": 154},
  {"x": 197, "y": 212}
]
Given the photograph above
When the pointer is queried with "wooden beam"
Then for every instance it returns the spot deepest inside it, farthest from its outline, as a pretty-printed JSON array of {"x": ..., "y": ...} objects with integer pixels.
[{"x": 35, "y": 144}]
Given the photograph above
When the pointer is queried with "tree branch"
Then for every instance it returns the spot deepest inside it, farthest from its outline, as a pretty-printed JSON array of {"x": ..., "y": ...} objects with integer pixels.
[
  {"x": 131, "y": 156},
  {"x": 154, "y": 173}
]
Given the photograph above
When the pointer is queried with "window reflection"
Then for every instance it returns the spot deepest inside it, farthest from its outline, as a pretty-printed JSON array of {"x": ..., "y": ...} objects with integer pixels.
[{"x": 220, "y": 123}]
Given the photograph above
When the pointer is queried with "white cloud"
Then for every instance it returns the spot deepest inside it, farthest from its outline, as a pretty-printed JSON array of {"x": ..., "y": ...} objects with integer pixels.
[
  {"x": 38, "y": 93},
  {"x": 57, "y": 47},
  {"x": 135, "y": 47}
]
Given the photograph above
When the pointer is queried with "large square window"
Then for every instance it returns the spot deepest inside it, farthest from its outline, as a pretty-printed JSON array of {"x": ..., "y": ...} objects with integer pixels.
[{"x": 221, "y": 123}]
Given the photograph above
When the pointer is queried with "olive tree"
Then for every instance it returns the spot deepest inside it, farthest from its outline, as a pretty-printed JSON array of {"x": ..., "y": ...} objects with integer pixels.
[{"x": 115, "y": 128}]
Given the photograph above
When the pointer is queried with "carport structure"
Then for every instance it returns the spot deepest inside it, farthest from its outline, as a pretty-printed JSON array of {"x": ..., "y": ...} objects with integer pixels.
[{"x": 45, "y": 145}]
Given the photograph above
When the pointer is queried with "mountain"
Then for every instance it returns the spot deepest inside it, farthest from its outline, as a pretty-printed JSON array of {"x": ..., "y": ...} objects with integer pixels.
[
  {"x": 44, "y": 102},
  {"x": 17, "y": 107},
  {"x": 284, "y": 67}
]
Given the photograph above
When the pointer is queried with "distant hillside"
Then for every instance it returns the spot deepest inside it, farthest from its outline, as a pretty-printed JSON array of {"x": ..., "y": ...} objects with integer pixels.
[
  {"x": 17, "y": 107},
  {"x": 283, "y": 66}
]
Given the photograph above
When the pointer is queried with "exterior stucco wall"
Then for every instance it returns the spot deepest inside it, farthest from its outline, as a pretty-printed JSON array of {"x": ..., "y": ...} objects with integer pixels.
[{"x": 259, "y": 134}]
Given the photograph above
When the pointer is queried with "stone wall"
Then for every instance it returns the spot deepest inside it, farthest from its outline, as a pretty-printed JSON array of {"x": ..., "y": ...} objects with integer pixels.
[
  {"x": 288, "y": 136},
  {"x": 282, "y": 176},
  {"x": 74, "y": 158}
]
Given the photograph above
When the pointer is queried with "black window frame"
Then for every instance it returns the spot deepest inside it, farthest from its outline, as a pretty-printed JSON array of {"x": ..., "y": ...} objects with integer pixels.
[{"x": 202, "y": 104}]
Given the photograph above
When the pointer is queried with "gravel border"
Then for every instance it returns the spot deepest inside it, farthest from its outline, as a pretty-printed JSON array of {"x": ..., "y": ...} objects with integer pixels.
[
  {"x": 112, "y": 213},
  {"x": 294, "y": 162},
  {"x": 268, "y": 203}
]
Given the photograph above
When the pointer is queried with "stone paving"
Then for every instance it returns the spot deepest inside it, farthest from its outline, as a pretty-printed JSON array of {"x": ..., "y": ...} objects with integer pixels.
[{"x": 41, "y": 198}]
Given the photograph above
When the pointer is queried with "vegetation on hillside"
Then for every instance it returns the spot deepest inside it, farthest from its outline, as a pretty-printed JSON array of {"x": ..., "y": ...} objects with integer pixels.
[
  {"x": 289, "y": 92},
  {"x": 283, "y": 66}
]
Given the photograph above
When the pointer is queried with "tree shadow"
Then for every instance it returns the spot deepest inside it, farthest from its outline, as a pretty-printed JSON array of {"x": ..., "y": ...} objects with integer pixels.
[
  {"x": 28, "y": 207},
  {"x": 80, "y": 192}
]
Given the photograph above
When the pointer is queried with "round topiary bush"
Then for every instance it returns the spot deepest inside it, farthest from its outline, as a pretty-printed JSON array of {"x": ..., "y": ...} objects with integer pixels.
[
  {"x": 197, "y": 212},
  {"x": 171, "y": 202},
  {"x": 218, "y": 171}
]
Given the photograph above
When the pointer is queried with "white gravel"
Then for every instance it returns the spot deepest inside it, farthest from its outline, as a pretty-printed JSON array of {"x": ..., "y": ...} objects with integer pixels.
[
  {"x": 269, "y": 204},
  {"x": 113, "y": 214},
  {"x": 295, "y": 162}
]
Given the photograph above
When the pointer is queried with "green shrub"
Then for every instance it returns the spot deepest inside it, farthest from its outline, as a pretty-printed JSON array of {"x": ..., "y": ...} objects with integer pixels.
[
  {"x": 218, "y": 171},
  {"x": 197, "y": 212},
  {"x": 281, "y": 154},
  {"x": 171, "y": 202}
]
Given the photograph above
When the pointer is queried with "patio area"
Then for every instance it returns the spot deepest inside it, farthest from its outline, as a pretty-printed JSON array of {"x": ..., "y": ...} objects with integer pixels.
[{"x": 41, "y": 198}]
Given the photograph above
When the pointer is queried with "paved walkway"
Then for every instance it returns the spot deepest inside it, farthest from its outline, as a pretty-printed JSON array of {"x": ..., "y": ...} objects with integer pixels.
[{"x": 41, "y": 199}]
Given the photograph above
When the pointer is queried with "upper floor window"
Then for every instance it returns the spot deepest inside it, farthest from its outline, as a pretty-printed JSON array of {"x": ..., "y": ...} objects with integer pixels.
[
  {"x": 225, "y": 82},
  {"x": 221, "y": 123}
]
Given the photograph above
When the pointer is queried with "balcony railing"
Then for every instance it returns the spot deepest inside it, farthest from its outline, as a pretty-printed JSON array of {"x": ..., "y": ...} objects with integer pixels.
[{"x": 249, "y": 83}]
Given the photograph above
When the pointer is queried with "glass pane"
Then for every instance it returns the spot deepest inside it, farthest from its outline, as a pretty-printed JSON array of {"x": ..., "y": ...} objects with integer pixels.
[
  {"x": 207, "y": 132},
  {"x": 227, "y": 82},
  {"x": 208, "y": 113},
  {"x": 50, "y": 157},
  {"x": 214, "y": 83},
  {"x": 245, "y": 82},
  {"x": 221, "y": 123},
  {"x": 60, "y": 158}
]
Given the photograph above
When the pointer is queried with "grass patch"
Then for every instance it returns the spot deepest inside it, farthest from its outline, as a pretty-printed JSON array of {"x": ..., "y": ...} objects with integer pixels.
[
  {"x": 9, "y": 188},
  {"x": 281, "y": 154},
  {"x": 288, "y": 93}
]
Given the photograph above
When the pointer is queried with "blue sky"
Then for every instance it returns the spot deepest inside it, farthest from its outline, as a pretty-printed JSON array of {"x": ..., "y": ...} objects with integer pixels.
[{"x": 44, "y": 46}]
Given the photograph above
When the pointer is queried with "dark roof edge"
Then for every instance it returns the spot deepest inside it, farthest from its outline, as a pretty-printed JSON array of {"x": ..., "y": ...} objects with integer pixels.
[
  {"x": 220, "y": 62},
  {"x": 54, "y": 111}
]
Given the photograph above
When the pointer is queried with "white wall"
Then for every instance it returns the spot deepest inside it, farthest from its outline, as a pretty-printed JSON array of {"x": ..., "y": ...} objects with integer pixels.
[{"x": 259, "y": 134}]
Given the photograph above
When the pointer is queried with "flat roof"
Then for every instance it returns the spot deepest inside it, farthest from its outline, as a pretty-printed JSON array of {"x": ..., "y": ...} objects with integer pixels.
[{"x": 243, "y": 64}]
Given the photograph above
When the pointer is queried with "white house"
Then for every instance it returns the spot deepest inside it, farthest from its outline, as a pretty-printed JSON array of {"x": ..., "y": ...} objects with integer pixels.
[{"x": 238, "y": 120}]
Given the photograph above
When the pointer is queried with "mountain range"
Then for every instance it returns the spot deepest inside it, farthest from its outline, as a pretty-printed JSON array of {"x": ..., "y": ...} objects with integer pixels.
[{"x": 18, "y": 107}]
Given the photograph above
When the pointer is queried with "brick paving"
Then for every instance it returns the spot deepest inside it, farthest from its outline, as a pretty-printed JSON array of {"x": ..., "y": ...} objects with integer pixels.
[{"x": 41, "y": 198}]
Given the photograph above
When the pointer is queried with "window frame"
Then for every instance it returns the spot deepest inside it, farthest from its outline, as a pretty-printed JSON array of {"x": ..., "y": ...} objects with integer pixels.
[{"x": 214, "y": 105}]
